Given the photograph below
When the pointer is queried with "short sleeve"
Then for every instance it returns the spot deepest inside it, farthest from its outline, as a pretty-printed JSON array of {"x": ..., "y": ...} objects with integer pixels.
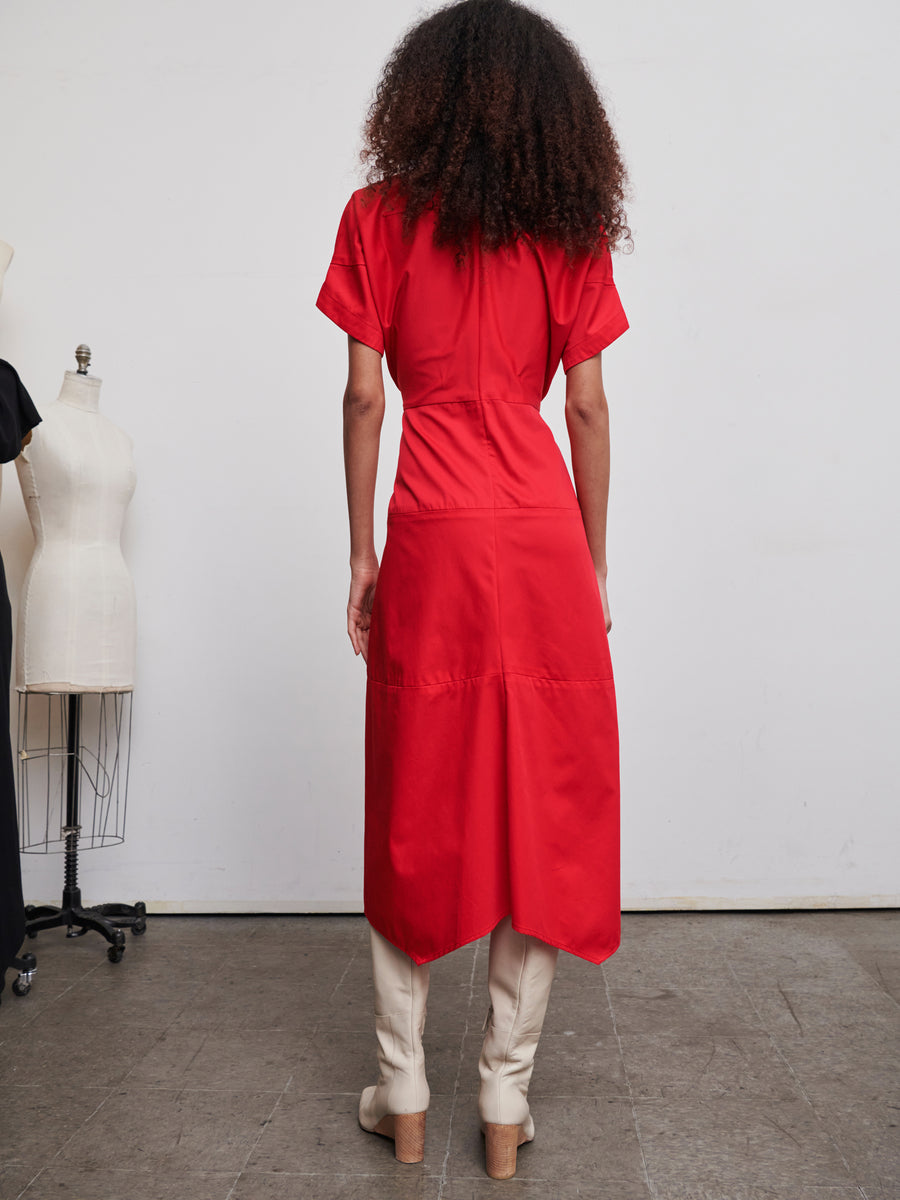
[
  {"x": 599, "y": 318},
  {"x": 346, "y": 295},
  {"x": 17, "y": 412}
]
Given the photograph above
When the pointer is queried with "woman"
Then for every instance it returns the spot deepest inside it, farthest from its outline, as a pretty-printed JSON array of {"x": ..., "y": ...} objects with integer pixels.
[{"x": 475, "y": 261}]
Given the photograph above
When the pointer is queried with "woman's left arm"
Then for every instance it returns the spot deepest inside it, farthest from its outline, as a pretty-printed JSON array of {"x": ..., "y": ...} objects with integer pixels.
[{"x": 363, "y": 415}]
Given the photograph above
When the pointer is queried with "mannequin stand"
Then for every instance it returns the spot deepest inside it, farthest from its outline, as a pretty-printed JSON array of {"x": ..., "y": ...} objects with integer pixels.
[
  {"x": 106, "y": 919},
  {"x": 26, "y": 966}
]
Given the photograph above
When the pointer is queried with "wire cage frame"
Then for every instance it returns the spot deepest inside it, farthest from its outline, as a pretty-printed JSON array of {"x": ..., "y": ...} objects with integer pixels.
[{"x": 44, "y": 770}]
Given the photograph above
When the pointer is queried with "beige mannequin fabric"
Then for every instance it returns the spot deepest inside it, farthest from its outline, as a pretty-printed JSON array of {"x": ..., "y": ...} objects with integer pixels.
[{"x": 77, "y": 617}]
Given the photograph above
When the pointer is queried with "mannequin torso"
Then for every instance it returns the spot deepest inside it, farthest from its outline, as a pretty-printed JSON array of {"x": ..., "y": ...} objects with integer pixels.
[{"x": 77, "y": 616}]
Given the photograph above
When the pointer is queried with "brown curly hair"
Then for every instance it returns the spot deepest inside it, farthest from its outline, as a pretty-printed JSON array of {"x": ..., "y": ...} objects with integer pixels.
[{"x": 488, "y": 114}]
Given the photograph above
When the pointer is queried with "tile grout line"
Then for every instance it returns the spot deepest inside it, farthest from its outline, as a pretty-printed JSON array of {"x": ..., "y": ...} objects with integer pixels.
[
  {"x": 651, "y": 1187},
  {"x": 75, "y": 982},
  {"x": 268, "y": 1119},
  {"x": 34, "y": 1179},
  {"x": 71, "y": 1138},
  {"x": 777, "y": 1048},
  {"x": 263, "y": 1127},
  {"x": 803, "y": 1092},
  {"x": 442, "y": 1179},
  {"x": 109, "y": 1090},
  {"x": 353, "y": 956}
]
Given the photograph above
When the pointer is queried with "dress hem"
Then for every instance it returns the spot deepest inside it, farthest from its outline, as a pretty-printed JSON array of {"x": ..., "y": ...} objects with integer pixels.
[{"x": 519, "y": 929}]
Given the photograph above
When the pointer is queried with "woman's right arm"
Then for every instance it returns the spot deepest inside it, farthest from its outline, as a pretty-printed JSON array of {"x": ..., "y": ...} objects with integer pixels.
[
  {"x": 587, "y": 420},
  {"x": 363, "y": 414}
]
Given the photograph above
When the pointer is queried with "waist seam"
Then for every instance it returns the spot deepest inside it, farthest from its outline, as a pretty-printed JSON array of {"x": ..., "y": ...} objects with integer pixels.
[
  {"x": 473, "y": 400},
  {"x": 473, "y": 508}
]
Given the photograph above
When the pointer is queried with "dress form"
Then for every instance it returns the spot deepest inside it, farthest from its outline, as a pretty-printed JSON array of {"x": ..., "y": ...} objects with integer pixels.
[
  {"x": 75, "y": 654},
  {"x": 77, "y": 616}
]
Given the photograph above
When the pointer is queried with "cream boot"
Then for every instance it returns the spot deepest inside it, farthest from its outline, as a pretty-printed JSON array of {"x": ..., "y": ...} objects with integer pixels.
[
  {"x": 395, "y": 1106},
  {"x": 521, "y": 969}
]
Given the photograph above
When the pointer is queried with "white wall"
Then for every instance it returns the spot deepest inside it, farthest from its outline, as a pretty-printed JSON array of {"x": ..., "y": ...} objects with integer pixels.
[{"x": 172, "y": 178}]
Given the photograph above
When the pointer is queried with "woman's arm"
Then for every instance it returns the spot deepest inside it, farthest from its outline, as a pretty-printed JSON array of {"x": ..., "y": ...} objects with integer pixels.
[
  {"x": 363, "y": 415},
  {"x": 587, "y": 420}
]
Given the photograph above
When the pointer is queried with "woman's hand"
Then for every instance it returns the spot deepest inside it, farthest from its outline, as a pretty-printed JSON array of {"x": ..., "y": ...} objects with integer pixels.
[
  {"x": 601, "y": 584},
  {"x": 359, "y": 607}
]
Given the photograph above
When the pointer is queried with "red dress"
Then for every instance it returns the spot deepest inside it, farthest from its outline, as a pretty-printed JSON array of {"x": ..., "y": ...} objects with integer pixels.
[{"x": 491, "y": 739}]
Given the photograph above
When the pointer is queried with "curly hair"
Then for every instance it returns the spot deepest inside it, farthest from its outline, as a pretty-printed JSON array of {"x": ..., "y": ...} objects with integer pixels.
[{"x": 487, "y": 113}]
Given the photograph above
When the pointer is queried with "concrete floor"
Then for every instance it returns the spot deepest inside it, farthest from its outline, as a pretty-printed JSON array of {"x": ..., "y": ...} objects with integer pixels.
[{"x": 715, "y": 1056}]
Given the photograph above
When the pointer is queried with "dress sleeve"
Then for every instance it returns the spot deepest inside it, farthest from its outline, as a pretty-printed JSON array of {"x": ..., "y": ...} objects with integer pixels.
[
  {"x": 600, "y": 317},
  {"x": 346, "y": 295},
  {"x": 17, "y": 412}
]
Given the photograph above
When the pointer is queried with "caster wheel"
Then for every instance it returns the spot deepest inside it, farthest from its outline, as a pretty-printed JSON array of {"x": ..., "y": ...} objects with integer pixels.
[
  {"x": 140, "y": 908},
  {"x": 20, "y": 987},
  {"x": 32, "y": 933},
  {"x": 139, "y": 927},
  {"x": 115, "y": 953}
]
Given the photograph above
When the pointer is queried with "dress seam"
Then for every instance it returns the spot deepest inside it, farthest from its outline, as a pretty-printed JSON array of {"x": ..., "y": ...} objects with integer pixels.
[
  {"x": 494, "y": 675},
  {"x": 479, "y": 399},
  {"x": 425, "y": 512}
]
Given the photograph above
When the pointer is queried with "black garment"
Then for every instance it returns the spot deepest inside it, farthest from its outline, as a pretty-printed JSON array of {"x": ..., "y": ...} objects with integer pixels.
[
  {"x": 17, "y": 412},
  {"x": 17, "y": 416}
]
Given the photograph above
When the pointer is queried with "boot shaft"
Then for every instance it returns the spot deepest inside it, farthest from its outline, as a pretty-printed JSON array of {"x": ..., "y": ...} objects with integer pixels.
[{"x": 521, "y": 969}]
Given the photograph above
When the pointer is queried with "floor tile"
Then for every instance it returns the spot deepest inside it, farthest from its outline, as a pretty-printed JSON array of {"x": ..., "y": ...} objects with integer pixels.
[
  {"x": 162, "y": 1131},
  {"x": 15, "y": 1177},
  {"x": 115, "y": 998},
  {"x": 856, "y": 1062},
  {"x": 93, "y": 1055},
  {"x": 685, "y": 1010},
  {"x": 868, "y": 1136},
  {"x": 565, "y": 1065},
  {"x": 725, "y": 1144},
  {"x": 334, "y": 1061},
  {"x": 411, "y": 1184},
  {"x": 577, "y": 1009},
  {"x": 267, "y": 993},
  {"x": 321, "y": 1134},
  {"x": 675, "y": 1066},
  {"x": 596, "y": 1134},
  {"x": 737, "y": 1191},
  {"x": 792, "y": 1011},
  {"x": 541, "y": 1189},
  {"x": 762, "y": 950},
  {"x": 38, "y": 1121},
  {"x": 56, "y": 1182},
  {"x": 234, "y": 1059}
]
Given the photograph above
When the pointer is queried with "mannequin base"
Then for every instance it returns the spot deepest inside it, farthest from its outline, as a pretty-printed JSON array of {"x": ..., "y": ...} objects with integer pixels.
[
  {"x": 107, "y": 919},
  {"x": 26, "y": 966}
]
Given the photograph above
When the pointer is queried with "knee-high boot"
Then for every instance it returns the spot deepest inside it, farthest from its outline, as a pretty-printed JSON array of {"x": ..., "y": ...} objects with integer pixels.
[
  {"x": 395, "y": 1106},
  {"x": 521, "y": 969}
]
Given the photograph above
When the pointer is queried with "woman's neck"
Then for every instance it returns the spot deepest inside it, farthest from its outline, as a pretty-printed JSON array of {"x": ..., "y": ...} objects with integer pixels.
[{"x": 81, "y": 391}]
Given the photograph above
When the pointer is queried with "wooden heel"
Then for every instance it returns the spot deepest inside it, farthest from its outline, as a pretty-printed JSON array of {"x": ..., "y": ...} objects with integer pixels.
[
  {"x": 408, "y": 1132},
  {"x": 500, "y": 1145}
]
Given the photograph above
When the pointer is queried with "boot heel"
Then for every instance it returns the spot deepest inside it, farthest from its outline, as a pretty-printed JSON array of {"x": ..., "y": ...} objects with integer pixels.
[
  {"x": 500, "y": 1145},
  {"x": 408, "y": 1132},
  {"x": 409, "y": 1137}
]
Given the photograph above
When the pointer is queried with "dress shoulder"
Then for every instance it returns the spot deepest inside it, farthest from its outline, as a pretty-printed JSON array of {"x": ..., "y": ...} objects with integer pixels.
[{"x": 347, "y": 296}]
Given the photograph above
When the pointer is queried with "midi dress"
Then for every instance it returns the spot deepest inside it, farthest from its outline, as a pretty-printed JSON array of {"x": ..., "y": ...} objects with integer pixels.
[{"x": 491, "y": 732}]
